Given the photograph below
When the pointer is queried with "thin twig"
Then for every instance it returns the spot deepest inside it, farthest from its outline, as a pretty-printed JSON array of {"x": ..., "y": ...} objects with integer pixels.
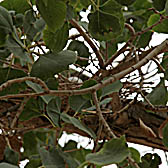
[
  {"x": 19, "y": 111},
  {"x": 133, "y": 162},
  {"x": 5, "y": 136},
  {"x": 157, "y": 50},
  {"x": 124, "y": 108},
  {"x": 101, "y": 118},
  {"x": 159, "y": 65},
  {"x": 89, "y": 41},
  {"x": 146, "y": 99},
  {"x": 20, "y": 80}
]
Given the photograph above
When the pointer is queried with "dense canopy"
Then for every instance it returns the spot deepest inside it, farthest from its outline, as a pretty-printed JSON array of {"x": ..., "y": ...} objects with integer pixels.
[{"x": 85, "y": 67}]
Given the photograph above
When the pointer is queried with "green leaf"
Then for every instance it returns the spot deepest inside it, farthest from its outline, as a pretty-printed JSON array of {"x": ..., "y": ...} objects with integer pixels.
[
  {"x": 159, "y": 94},
  {"x": 4, "y": 53},
  {"x": 70, "y": 12},
  {"x": 164, "y": 64},
  {"x": 53, "y": 12},
  {"x": 159, "y": 5},
  {"x": 31, "y": 110},
  {"x": 114, "y": 87},
  {"x": 77, "y": 103},
  {"x": 142, "y": 4},
  {"x": 50, "y": 64},
  {"x": 32, "y": 27},
  {"x": 52, "y": 83},
  {"x": 161, "y": 27},
  {"x": 103, "y": 102},
  {"x": 135, "y": 154},
  {"x": 17, "y": 48},
  {"x": 85, "y": 3},
  {"x": 51, "y": 158},
  {"x": 7, "y": 74},
  {"x": 166, "y": 8},
  {"x": 165, "y": 135},
  {"x": 150, "y": 160},
  {"x": 54, "y": 110},
  {"x": 71, "y": 162},
  {"x": 57, "y": 40},
  {"x": 71, "y": 120},
  {"x": 108, "y": 22},
  {"x": 126, "y": 2},
  {"x": 37, "y": 88},
  {"x": 114, "y": 151},
  {"x": 108, "y": 48},
  {"x": 6, "y": 20},
  {"x": 11, "y": 156},
  {"x": 78, "y": 154},
  {"x": 7, "y": 165},
  {"x": 144, "y": 39},
  {"x": 33, "y": 162},
  {"x": 18, "y": 20},
  {"x": 30, "y": 144},
  {"x": 87, "y": 84},
  {"x": 81, "y": 49},
  {"x": 20, "y": 6},
  {"x": 2, "y": 37}
]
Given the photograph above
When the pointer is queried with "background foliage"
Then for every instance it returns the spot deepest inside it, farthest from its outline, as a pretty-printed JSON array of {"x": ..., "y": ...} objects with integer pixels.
[{"x": 104, "y": 82}]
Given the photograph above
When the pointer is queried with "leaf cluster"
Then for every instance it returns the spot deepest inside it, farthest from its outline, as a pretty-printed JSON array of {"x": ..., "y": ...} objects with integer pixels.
[{"x": 49, "y": 75}]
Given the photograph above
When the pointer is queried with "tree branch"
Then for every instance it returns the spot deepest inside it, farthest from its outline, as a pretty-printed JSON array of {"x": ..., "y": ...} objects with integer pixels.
[
  {"x": 89, "y": 41},
  {"x": 156, "y": 51},
  {"x": 101, "y": 118}
]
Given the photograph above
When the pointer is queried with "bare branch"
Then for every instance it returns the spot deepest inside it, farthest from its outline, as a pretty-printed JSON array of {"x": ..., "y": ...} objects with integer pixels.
[
  {"x": 20, "y": 80},
  {"x": 101, "y": 118}
]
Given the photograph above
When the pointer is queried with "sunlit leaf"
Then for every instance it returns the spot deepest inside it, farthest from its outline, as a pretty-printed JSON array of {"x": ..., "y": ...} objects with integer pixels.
[
  {"x": 135, "y": 154},
  {"x": 161, "y": 27}
]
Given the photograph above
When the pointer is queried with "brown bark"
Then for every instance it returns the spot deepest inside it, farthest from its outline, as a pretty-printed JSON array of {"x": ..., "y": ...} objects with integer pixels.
[{"x": 125, "y": 123}]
